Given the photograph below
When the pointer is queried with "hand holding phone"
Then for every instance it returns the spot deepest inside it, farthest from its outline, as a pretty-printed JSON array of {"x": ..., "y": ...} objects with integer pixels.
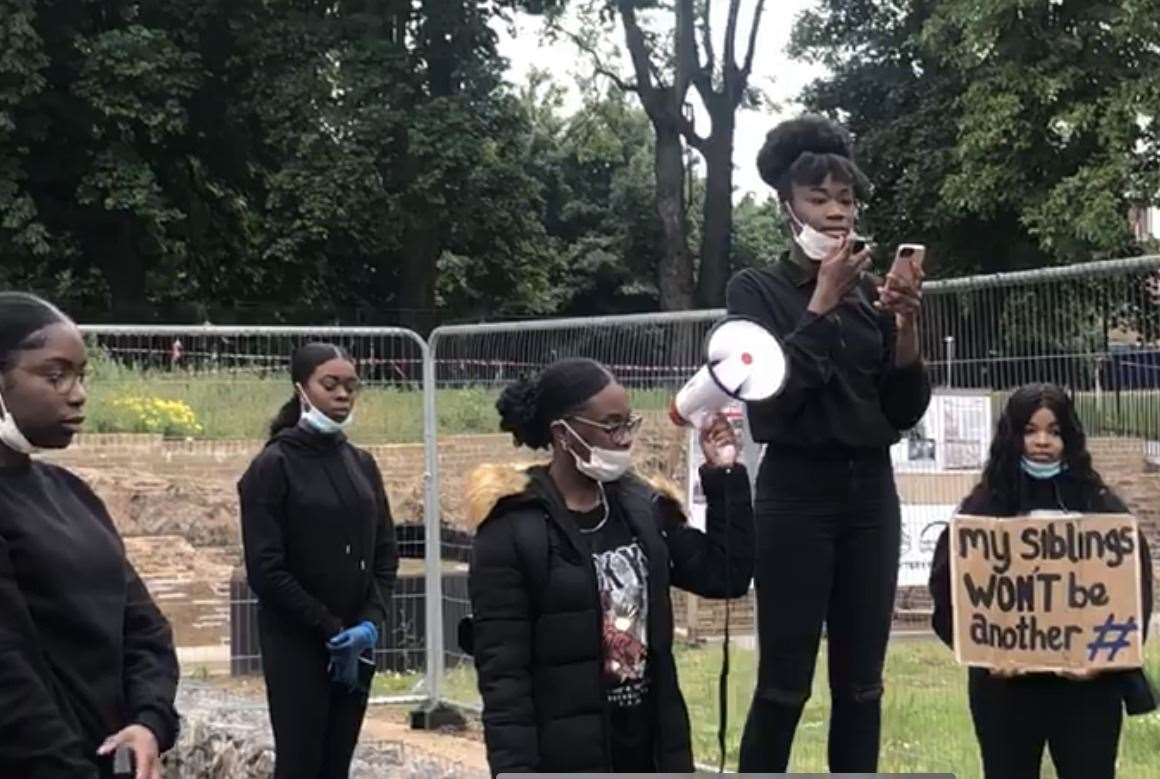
[
  {"x": 901, "y": 292},
  {"x": 907, "y": 265}
]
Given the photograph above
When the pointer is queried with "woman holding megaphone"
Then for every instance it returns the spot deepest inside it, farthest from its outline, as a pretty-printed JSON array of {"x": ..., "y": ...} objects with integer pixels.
[
  {"x": 827, "y": 512},
  {"x": 570, "y": 573}
]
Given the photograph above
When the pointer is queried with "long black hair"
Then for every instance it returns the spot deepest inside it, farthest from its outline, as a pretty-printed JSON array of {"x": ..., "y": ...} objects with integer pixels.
[
  {"x": 22, "y": 316},
  {"x": 804, "y": 151},
  {"x": 1002, "y": 477},
  {"x": 528, "y": 407},
  {"x": 303, "y": 363}
]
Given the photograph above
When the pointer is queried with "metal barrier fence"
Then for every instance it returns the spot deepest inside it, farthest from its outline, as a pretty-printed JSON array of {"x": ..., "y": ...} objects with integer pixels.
[
  {"x": 176, "y": 413},
  {"x": 428, "y": 416},
  {"x": 1094, "y": 328}
]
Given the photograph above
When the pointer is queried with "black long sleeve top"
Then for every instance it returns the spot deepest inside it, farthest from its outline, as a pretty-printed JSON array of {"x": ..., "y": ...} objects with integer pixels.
[
  {"x": 84, "y": 651},
  {"x": 319, "y": 542},
  {"x": 842, "y": 388}
]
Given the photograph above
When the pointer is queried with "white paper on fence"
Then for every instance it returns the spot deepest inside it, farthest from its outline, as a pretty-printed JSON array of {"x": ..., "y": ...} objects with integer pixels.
[
  {"x": 954, "y": 434},
  {"x": 921, "y": 525}
]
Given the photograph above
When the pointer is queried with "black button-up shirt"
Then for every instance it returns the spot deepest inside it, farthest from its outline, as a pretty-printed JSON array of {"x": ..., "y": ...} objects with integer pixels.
[{"x": 842, "y": 390}]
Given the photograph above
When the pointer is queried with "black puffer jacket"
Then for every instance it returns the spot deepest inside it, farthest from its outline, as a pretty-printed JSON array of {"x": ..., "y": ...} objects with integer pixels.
[
  {"x": 537, "y": 617},
  {"x": 1066, "y": 493}
]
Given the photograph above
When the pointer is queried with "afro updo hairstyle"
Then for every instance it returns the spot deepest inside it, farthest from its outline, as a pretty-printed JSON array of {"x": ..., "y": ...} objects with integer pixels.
[
  {"x": 804, "y": 151},
  {"x": 528, "y": 407}
]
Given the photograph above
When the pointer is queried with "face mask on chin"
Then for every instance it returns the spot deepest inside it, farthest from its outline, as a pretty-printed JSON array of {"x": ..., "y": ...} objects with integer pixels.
[
  {"x": 10, "y": 434},
  {"x": 1038, "y": 470},
  {"x": 313, "y": 419},
  {"x": 603, "y": 465},
  {"x": 814, "y": 244}
]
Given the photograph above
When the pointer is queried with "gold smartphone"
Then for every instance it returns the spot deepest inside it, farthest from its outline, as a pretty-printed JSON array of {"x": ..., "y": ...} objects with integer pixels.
[{"x": 908, "y": 259}]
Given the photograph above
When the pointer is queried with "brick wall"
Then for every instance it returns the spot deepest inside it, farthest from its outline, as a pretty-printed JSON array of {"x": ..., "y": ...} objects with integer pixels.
[{"x": 660, "y": 450}]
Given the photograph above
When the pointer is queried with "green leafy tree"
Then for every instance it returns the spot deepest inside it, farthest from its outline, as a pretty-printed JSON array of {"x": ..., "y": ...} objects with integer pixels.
[{"x": 1005, "y": 135}]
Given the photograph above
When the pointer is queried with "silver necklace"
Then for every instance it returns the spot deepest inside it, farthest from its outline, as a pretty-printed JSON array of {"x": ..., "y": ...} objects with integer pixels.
[{"x": 600, "y": 524}]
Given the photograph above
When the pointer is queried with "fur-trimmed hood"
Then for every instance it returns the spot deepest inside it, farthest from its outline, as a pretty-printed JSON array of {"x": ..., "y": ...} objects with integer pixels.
[{"x": 487, "y": 485}]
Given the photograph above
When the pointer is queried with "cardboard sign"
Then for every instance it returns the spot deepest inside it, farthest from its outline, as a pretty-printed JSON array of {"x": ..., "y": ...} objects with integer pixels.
[{"x": 1047, "y": 594}]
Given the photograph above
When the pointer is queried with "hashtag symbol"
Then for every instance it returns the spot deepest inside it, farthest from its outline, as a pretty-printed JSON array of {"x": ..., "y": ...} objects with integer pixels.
[{"x": 1122, "y": 631}]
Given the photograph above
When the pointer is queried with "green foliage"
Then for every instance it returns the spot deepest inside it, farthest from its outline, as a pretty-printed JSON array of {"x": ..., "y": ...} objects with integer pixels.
[
  {"x": 289, "y": 162},
  {"x": 759, "y": 237},
  {"x": 1007, "y": 134},
  {"x": 176, "y": 155}
]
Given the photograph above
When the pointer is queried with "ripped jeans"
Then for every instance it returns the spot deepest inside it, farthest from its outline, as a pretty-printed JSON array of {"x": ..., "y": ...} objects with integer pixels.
[{"x": 828, "y": 528}]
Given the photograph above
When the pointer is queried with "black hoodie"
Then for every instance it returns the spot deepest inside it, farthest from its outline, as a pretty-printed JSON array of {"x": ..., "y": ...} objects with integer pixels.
[
  {"x": 1062, "y": 493},
  {"x": 319, "y": 541},
  {"x": 84, "y": 651}
]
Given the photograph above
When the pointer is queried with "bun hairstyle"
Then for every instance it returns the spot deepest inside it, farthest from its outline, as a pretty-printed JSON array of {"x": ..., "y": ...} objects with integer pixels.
[
  {"x": 303, "y": 362},
  {"x": 804, "y": 151},
  {"x": 22, "y": 316},
  {"x": 528, "y": 407}
]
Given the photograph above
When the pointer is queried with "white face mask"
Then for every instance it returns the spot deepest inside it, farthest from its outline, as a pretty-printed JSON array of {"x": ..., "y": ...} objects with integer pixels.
[
  {"x": 10, "y": 434},
  {"x": 603, "y": 465},
  {"x": 315, "y": 420},
  {"x": 815, "y": 245}
]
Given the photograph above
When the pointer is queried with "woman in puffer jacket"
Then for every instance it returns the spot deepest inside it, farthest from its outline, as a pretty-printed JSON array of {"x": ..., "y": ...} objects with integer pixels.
[{"x": 570, "y": 574}]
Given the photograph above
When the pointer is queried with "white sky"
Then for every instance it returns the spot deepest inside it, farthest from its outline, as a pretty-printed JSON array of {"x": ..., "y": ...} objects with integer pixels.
[{"x": 773, "y": 72}]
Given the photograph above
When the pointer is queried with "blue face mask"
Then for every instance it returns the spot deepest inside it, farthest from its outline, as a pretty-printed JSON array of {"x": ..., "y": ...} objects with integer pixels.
[
  {"x": 315, "y": 420},
  {"x": 1042, "y": 470}
]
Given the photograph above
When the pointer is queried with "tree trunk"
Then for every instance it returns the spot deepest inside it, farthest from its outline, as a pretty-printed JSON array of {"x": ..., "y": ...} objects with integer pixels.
[
  {"x": 675, "y": 274},
  {"x": 417, "y": 277},
  {"x": 717, "y": 210},
  {"x": 123, "y": 267}
]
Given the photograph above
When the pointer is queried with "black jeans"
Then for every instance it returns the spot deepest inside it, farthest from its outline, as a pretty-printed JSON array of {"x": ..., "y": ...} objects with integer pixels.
[
  {"x": 827, "y": 552},
  {"x": 316, "y": 724},
  {"x": 1079, "y": 722}
]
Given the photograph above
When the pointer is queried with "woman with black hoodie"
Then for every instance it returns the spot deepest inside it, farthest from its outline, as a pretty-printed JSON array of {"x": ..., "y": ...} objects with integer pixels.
[
  {"x": 570, "y": 574},
  {"x": 1039, "y": 465},
  {"x": 87, "y": 664},
  {"x": 321, "y": 557}
]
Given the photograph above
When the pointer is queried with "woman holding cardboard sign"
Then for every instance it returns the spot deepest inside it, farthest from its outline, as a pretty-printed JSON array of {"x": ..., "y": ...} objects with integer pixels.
[
  {"x": 1039, "y": 463},
  {"x": 827, "y": 512}
]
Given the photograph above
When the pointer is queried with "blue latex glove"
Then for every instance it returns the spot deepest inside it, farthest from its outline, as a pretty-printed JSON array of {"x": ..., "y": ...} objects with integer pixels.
[
  {"x": 345, "y": 651},
  {"x": 355, "y": 640}
]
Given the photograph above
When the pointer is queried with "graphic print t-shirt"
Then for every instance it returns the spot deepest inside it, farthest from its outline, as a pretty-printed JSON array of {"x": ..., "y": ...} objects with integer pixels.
[{"x": 622, "y": 580}]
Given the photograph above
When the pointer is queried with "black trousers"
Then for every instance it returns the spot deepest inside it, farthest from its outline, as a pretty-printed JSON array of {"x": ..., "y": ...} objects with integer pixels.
[
  {"x": 316, "y": 724},
  {"x": 1079, "y": 722},
  {"x": 827, "y": 552}
]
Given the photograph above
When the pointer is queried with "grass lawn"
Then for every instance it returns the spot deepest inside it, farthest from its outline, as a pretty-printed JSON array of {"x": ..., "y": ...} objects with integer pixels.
[
  {"x": 239, "y": 403},
  {"x": 925, "y": 722},
  {"x": 926, "y": 725}
]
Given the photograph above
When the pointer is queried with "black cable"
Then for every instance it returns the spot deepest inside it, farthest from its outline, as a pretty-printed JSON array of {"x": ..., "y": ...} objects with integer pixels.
[{"x": 723, "y": 680}]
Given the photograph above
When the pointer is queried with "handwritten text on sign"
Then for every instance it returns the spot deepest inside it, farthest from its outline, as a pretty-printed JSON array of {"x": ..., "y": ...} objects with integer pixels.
[{"x": 1043, "y": 594}]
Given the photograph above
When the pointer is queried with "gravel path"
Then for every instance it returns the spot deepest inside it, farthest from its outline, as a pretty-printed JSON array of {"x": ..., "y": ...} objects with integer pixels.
[{"x": 227, "y": 736}]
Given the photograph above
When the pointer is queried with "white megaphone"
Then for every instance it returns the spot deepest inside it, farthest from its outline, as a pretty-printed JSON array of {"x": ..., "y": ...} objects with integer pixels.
[{"x": 743, "y": 361}]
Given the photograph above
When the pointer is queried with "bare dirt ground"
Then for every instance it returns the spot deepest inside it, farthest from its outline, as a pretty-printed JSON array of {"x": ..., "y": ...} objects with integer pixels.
[{"x": 383, "y": 723}]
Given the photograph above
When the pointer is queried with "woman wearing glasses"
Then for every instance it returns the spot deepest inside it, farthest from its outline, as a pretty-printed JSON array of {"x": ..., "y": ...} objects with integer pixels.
[
  {"x": 87, "y": 664},
  {"x": 570, "y": 574},
  {"x": 321, "y": 557}
]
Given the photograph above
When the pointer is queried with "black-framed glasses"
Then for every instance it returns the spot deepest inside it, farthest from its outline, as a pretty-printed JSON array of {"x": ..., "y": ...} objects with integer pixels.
[{"x": 617, "y": 431}]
